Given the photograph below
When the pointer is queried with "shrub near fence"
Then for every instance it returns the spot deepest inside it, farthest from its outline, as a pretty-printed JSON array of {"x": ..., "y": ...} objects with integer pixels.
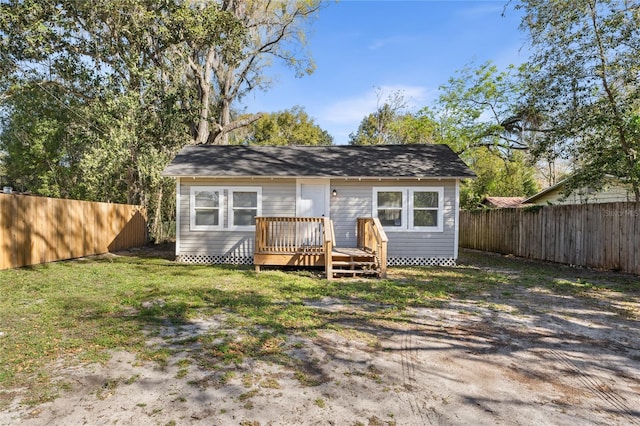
[
  {"x": 37, "y": 229},
  {"x": 603, "y": 236}
]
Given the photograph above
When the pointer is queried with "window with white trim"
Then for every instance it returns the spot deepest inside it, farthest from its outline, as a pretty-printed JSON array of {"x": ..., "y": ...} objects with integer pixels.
[
  {"x": 206, "y": 208},
  {"x": 244, "y": 205},
  {"x": 390, "y": 208},
  {"x": 425, "y": 209},
  {"x": 409, "y": 209}
]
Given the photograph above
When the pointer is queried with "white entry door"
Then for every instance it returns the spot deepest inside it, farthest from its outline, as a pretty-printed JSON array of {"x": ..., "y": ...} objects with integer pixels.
[{"x": 313, "y": 198}]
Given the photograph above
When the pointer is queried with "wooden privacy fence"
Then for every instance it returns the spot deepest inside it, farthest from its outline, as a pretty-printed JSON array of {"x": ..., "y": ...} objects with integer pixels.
[
  {"x": 604, "y": 236},
  {"x": 37, "y": 230}
]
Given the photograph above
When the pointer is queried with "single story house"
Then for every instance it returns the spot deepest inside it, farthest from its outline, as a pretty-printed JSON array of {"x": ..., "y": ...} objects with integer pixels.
[
  {"x": 613, "y": 191},
  {"x": 225, "y": 193}
]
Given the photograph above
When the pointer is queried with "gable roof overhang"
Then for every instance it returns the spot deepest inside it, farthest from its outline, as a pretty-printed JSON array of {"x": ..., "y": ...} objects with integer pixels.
[
  {"x": 557, "y": 186},
  {"x": 348, "y": 162}
]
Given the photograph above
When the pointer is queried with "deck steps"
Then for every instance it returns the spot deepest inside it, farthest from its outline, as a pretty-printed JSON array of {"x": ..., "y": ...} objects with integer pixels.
[
  {"x": 355, "y": 272},
  {"x": 354, "y": 262},
  {"x": 338, "y": 263}
]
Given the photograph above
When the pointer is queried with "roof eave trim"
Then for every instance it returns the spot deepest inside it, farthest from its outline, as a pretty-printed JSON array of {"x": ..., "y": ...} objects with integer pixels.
[
  {"x": 255, "y": 177},
  {"x": 314, "y": 177}
]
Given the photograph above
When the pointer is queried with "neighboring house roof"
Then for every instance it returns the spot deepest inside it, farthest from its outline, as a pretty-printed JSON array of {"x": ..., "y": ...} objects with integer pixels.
[
  {"x": 502, "y": 202},
  {"x": 558, "y": 186},
  {"x": 398, "y": 161}
]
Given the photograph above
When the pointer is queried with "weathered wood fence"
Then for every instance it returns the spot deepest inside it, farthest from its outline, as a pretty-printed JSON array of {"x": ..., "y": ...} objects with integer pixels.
[
  {"x": 604, "y": 236},
  {"x": 37, "y": 230}
]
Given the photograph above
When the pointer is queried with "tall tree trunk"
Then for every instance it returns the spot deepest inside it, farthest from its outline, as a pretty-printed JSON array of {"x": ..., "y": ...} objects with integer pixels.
[
  {"x": 225, "y": 119},
  {"x": 157, "y": 217},
  {"x": 203, "y": 83}
]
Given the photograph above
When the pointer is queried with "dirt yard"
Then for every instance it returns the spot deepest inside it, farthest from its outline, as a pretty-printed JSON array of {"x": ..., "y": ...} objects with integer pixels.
[{"x": 520, "y": 354}]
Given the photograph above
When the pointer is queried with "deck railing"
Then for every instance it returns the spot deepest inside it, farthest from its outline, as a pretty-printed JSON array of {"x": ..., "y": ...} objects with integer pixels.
[
  {"x": 291, "y": 240},
  {"x": 372, "y": 238},
  {"x": 280, "y": 240},
  {"x": 291, "y": 234}
]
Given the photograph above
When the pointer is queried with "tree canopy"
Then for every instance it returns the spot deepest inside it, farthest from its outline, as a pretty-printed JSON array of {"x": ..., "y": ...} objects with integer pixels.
[
  {"x": 96, "y": 97},
  {"x": 478, "y": 115},
  {"x": 583, "y": 85},
  {"x": 288, "y": 127},
  {"x": 115, "y": 87}
]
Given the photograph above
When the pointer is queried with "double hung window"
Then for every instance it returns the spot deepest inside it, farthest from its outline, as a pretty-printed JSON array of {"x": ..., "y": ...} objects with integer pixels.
[
  {"x": 208, "y": 206},
  {"x": 244, "y": 206},
  {"x": 409, "y": 209}
]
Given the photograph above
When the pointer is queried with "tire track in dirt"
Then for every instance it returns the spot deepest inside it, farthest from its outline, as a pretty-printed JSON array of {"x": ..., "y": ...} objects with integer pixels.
[
  {"x": 597, "y": 388},
  {"x": 408, "y": 357}
]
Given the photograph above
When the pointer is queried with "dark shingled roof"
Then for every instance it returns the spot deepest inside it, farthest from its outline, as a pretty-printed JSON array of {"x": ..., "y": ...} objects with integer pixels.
[{"x": 397, "y": 161}]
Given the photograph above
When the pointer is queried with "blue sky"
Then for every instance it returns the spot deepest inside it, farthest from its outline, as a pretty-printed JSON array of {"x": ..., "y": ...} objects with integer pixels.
[{"x": 361, "y": 47}]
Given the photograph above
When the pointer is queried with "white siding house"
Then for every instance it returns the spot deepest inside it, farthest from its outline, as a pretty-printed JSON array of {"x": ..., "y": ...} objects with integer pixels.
[
  {"x": 613, "y": 191},
  {"x": 412, "y": 189}
]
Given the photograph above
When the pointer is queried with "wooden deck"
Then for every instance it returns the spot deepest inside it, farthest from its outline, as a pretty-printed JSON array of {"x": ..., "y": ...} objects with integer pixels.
[
  {"x": 349, "y": 251},
  {"x": 290, "y": 241}
]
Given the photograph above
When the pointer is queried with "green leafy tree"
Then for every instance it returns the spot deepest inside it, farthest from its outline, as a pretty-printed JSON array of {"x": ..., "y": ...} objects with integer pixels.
[
  {"x": 126, "y": 83},
  {"x": 497, "y": 176},
  {"x": 420, "y": 127},
  {"x": 289, "y": 127},
  {"x": 111, "y": 67},
  {"x": 376, "y": 128},
  {"x": 480, "y": 107},
  {"x": 37, "y": 137},
  {"x": 583, "y": 83},
  {"x": 480, "y": 116},
  {"x": 389, "y": 124}
]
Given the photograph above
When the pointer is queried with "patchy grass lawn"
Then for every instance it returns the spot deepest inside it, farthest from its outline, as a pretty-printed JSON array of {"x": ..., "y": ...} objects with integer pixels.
[{"x": 76, "y": 312}]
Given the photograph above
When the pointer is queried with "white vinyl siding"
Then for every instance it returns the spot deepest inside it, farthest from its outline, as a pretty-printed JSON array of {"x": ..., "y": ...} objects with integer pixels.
[
  {"x": 353, "y": 200},
  {"x": 278, "y": 199},
  {"x": 611, "y": 193}
]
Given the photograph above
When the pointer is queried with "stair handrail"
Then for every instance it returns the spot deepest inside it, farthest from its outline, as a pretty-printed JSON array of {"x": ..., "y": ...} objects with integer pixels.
[
  {"x": 329, "y": 239},
  {"x": 371, "y": 236}
]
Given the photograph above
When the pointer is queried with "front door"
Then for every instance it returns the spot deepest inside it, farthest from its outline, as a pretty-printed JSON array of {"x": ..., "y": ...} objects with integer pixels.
[
  {"x": 313, "y": 198},
  {"x": 312, "y": 201}
]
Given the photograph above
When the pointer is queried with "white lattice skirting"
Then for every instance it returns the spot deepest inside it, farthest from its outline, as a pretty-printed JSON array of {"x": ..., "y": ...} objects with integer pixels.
[
  {"x": 420, "y": 261},
  {"x": 216, "y": 260},
  {"x": 247, "y": 260}
]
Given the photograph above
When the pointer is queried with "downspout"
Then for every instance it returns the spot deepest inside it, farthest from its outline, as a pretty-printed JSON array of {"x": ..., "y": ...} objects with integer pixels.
[
  {"x": 177, "y": 217},
  {"x": 457, "y": 220}
]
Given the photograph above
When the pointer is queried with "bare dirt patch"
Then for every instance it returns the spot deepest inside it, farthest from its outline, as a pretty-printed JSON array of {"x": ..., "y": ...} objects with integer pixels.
[{"x": 518, "y": 353}]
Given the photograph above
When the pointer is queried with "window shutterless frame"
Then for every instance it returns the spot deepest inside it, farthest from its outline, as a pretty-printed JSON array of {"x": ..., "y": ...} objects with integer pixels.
[
  {"x": 244, "y": 203},
  {"x": 390, "y": 206},
  {"x": 426, "y": 209},
  {"x": 206, "y": 208},
  {"x": 405, "y": 209}
]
